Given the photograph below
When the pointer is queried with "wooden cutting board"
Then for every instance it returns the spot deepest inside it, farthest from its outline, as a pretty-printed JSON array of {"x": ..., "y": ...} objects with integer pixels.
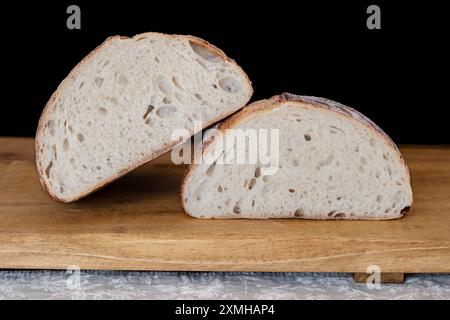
[{"x": 137, "y": 223}]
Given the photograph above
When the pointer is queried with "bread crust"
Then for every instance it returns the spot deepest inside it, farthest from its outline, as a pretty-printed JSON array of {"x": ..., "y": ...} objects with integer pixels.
[
  {"x": 276, "y": 101},
  {"x": 70, "y": 78}
]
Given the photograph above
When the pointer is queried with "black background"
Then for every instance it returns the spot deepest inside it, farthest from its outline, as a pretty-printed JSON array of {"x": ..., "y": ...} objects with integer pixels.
[
  {"x": 285, "y": 309},
  {"x": 398, "y": 76}
]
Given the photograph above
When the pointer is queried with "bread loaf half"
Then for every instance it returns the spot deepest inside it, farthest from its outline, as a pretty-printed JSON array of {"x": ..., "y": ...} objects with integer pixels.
[
  {"x": 118, "y": 107},
  {"x": 334, "y": 163}
]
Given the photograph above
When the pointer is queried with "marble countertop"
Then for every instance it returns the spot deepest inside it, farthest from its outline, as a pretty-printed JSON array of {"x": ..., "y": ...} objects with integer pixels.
[{"x": 211, "y": 285}]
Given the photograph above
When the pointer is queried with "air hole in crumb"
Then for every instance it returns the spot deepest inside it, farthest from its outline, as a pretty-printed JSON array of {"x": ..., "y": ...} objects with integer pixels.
[
  {"x": 205, "y": 52},
  {"x": 47, "y": 170},
  {"x": 291, "y": 190},
  {"x": 236, "y": 208},
  {"x": 339, "y": 198},
  {"x": 61, "y": 189},
  {"x": 228, "y": 202},
  {"x": 253, "y": 203},
  {"x": 214, "y": 86},
  {"x": 335, "y": 130},
  {"x": 150, "y": 108},
  {"x": 164, "y": 84},
  {"x": 251, "y": 184},
  {"x": 167, "y": 100},
  {"x": 307, "y": 137},
  {"x": 99, "y": 82},
  {"x": 211, "y": 168},
  {"x": 166, "y": 112},
  {"x": 325, "y": 162},
  {"x": 229, "y": 85},
  {"x": 219, "y": 188},
  {"x": 265, "y": 178},
  {"x": 54, "y": 152},
  {"x": 51, "y": 126},
  {"x": 177, "y": 83},
  {"x": 103, "y": 111},
  {"x": 198, "y": 96},
  {"x": 65, "y": 144},
  {"x": 257, "y": 172},
  {"x": 298, "y": 213},
  {"x": 330, "y": 178},
  {"x": 372, "y": 142},
  {"x": 80, "y": 137},
  {"x": 157, "y": 60},
  {"x": 379, "y": 198}
]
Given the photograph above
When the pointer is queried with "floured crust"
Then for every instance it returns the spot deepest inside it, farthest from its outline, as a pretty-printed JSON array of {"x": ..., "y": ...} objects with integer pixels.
[
  {"x": 49, "y": 107},
  {"x": 262, "y": 106}
]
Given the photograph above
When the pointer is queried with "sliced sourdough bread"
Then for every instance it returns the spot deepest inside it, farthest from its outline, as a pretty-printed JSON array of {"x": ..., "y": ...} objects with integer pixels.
[
  {"x": 334, "y": 163},
  {"x": 118, "y": 108}
]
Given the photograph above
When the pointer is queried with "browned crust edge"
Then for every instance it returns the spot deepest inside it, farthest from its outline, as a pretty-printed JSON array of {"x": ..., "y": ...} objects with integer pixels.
[
  {"x": 51, "y": 105},
  {"x": 311, "y": 101}
]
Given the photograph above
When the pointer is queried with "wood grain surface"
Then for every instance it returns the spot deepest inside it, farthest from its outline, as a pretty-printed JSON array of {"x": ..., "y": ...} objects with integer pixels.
[{"x": 137, "y": 223}]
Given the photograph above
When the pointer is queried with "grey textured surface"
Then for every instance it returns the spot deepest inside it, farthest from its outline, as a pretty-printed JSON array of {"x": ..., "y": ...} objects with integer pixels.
[{"x": 211, "y": 285}]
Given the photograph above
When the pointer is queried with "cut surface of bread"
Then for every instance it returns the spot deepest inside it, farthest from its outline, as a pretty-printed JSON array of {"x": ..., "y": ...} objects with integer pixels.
[
  {"x": 334, "y": 163},
  {"x": 119, "y": 106}
]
